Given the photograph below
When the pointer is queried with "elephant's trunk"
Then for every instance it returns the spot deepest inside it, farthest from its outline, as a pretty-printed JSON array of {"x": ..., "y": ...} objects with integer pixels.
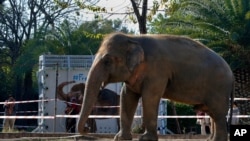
[
  {"x": 92, "y": 88},
  {"x": 60, "y": 94}
]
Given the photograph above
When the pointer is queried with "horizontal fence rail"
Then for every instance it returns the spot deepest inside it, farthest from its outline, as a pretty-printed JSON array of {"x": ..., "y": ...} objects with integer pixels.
[{"x": 96, "y": 116}]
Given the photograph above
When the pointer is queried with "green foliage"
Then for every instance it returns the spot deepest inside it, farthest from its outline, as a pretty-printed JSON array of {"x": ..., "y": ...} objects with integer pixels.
[
  {"x": 65, "y": 39},
  {"x": 90, "y": 7},
  {"x": 185, "y": 123},
  {"x": 138, "y": 129},
  {"x": 5, "y": 82},
  {"x": 153, "y": 11},
  {"x": 62, "y": 4},
  {"x": 81, "y": 4},
  {"x": 222, "y": 25}
]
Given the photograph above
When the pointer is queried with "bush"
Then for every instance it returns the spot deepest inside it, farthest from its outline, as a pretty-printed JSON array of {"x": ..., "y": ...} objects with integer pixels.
[{"x": 187, "y": 125}]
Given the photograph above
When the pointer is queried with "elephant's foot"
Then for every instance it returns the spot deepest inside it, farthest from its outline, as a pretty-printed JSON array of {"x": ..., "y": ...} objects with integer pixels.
[
  {"x": 210, "y": 137},
  {"x": 122, "y": 136},
  {"x": 149, "y": 137}
]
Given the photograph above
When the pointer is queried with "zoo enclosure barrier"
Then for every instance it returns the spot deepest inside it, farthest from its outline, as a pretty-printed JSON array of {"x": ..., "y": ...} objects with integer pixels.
[{"x": 98, "y": 116}]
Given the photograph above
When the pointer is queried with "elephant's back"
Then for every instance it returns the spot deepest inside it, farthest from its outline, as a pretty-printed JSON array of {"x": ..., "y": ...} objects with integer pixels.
[
  {"x": 178, "y": 49},
  {"x": 185, "y": 57}
]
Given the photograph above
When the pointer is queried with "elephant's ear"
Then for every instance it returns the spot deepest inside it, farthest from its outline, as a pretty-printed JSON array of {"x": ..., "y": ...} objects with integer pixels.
[{"x": 135, "y": 55}]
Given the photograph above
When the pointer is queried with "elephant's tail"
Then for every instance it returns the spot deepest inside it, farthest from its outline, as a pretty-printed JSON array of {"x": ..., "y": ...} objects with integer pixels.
[{"x": 231, "y": 104}]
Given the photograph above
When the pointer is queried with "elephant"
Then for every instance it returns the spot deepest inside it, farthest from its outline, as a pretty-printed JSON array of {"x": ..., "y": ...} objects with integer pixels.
[
  {"x": 106, "y": 98},
  {"x": 159, "y": 66}
]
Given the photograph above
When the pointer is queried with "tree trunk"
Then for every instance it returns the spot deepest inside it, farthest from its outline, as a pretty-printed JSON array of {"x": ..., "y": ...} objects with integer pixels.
[
  {"x": 142, "y": 19},
  {"x": 176, "y": 119}
]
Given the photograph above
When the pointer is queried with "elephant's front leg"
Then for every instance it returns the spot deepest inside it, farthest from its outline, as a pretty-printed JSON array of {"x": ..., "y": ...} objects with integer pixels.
[
  {"x": 150, "y": 113},
  {"x": 129, "y": 101}
]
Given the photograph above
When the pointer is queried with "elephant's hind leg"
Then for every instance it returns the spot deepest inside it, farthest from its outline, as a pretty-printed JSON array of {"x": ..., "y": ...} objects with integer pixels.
[
  {"x": 220, "y": 133},
  {"x": 219, "y": 127}
]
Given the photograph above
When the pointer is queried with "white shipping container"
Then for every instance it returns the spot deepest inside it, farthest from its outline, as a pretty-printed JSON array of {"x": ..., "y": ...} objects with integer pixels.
[{"x": 53, "y": 70}]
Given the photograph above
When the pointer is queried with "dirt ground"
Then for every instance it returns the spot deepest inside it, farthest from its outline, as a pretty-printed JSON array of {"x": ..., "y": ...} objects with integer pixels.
[{"x": 88, "y": 137}]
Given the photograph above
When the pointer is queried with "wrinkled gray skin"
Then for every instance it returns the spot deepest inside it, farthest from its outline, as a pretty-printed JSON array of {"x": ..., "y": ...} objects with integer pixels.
[{"x": 155, "y": 67}]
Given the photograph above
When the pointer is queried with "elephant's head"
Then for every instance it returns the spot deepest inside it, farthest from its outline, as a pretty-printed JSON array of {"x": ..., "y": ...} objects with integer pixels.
[
  {"x": 117, "y": 60},
  {"x": 76, "y": 90}
]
